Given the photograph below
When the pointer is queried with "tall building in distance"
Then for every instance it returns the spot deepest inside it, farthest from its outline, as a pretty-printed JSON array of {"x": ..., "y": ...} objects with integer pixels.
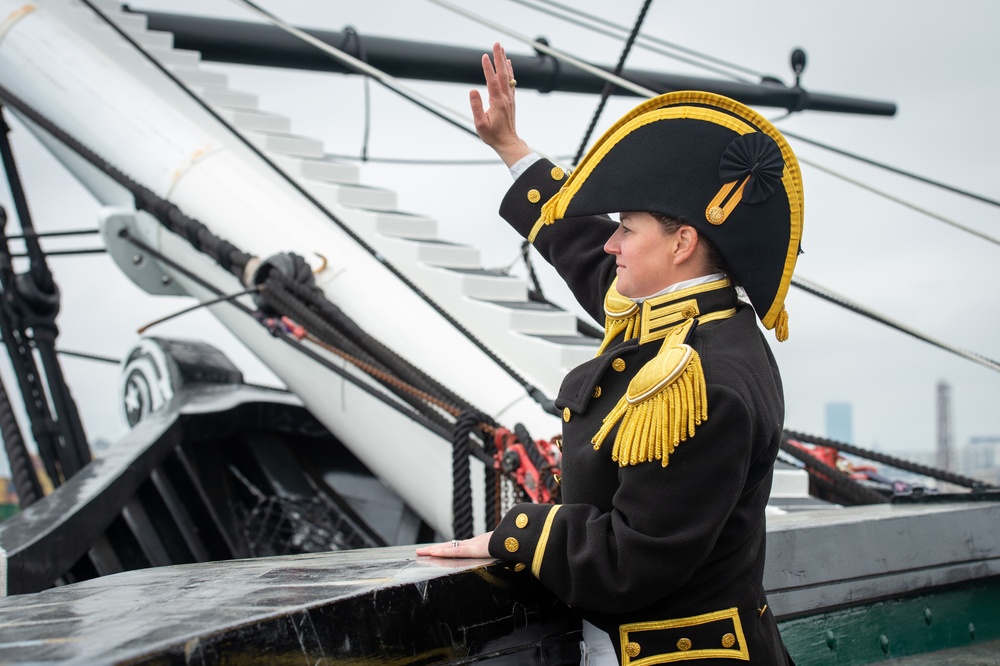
[
  {"x": 839, "y": 422},
  {"x": 944, "y": 443}
]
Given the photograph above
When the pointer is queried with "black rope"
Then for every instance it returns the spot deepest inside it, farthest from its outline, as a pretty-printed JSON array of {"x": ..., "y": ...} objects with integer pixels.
[
  {"x": 608, "y": 86},
  {"x": 893, "y": 169},
  {"x": 462, "y": 525},
  {"x": 232, "y": 258},
  {"x": 277, "y": 295},
  {"x": 462, "y": 505},
  {"x": 62, "y": 253},
  {"x": 31, "y": 302},
  {"x": 461, "y": 493},
  {"x": 38, "y": 268},
  {"x": 89, "y": 357},
  {"x": 844, "y": 487},
  {"x": 839, "y": 151},
  {"x": 395, "y": 363},
  {"x": 291, "y": 341},
  {"x": 54, "y": 234},
  {"x": 351, "y": 36},
  {"x": 892, "y": 461},
  {"x": 22, "y": 471},
  {"x": 402, "y": 93}
]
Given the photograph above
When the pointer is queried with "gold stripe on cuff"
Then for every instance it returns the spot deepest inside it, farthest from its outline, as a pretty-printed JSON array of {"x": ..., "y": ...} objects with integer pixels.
[{"x": 536, "y": 562}]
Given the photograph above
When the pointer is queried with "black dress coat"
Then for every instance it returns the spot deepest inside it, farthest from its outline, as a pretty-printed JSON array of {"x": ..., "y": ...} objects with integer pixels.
[{"x": 667, "y": 558}]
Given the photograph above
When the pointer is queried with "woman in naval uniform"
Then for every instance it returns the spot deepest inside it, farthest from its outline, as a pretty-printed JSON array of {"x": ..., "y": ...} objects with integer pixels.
[{"x": 670, "y": 433}]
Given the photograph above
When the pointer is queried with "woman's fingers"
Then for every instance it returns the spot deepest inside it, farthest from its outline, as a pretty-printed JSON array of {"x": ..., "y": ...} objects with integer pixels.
[{"x": 476, "y": 547}]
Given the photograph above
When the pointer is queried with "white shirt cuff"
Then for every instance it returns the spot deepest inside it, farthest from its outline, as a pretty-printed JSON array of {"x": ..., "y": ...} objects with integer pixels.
[{"x": 522, "y": 164}]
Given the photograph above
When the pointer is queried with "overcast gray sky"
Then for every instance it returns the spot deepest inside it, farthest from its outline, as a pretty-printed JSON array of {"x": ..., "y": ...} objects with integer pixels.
[{"x": 936, "y": 61}]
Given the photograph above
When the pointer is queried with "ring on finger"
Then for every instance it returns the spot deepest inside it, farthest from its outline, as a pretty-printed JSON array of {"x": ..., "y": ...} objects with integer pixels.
[
  {"x": 512, "y": 83},
  {"x": 454, "y": 543}
]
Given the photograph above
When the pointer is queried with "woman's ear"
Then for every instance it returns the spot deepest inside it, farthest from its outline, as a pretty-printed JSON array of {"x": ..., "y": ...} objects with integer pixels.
[{"x": 685, "y": 243}]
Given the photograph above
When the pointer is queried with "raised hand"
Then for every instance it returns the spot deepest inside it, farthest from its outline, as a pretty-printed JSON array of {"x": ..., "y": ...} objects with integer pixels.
[{"x": 496, "y": 125}]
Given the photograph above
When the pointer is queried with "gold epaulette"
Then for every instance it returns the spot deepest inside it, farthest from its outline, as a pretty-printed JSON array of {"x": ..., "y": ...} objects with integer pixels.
[{"x": 663, "y": 404}]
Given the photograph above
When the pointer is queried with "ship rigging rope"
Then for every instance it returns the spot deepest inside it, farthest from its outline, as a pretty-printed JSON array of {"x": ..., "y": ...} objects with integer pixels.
[
  {"x": 836, "y": 299},
  {"x": 642, "y": 91},
  {"x": 892, "y": 169},
  {"x": 608, "y": 87},
  {"x": 832, "y": 478},
  {"x": 892, "y": 461},
  {"x": 906, "y": 204},
  {"x": 459, "y": 119},
  {"x": 290, "y": 340},
  {"x": 600, "y": 25},
  {"x": 293, "y": 298},
  {"x": 227, "y": 255},
  {"x": 447, "y": 114}
]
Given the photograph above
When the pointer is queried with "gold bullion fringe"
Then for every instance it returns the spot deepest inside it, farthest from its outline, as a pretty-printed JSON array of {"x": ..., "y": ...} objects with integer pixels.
[{"x": 653, "y": 427}]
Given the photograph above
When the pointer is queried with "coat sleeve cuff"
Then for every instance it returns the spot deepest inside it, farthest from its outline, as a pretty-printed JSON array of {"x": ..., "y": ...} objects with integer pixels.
[
  {"x": 523, "y": 535},
  {"x": 522, "y": 205}
]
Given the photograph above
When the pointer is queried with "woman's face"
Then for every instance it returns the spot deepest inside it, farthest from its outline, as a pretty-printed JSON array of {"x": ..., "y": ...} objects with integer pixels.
[{"x": 642, "y": 249}]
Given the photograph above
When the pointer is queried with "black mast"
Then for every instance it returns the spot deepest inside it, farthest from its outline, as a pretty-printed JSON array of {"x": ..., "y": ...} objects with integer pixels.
[{"x": 240, "y": 42}]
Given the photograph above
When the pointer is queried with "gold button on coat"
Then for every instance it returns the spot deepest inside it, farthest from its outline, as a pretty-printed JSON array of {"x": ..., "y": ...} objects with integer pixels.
[
  {"x": 597, "y": 392},
  {"x": 728, "y": 641},
  {"x": 632, "y": 649},
  {"x": 534, "y": 196},
  {"x": 520, "y": 566},
  {"x": 618, "y": 364},
  {"x": 684, "y": 644},
  {"x": 511, "y": 544},
  {"x": 567, "y": 414},
  {"x": 521, "y": 520},
  {"x": 557, "y": 173}
]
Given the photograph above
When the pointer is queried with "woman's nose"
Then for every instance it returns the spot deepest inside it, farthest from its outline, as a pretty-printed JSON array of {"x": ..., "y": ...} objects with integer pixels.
[{"x": 613, "y": 246}]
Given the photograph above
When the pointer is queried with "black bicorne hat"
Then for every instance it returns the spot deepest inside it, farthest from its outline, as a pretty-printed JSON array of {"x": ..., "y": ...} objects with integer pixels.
[{"x": 712, "y": 163}]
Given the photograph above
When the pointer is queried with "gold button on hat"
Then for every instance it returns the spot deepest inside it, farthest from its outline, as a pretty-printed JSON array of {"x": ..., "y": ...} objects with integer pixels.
[
  {"x": 632, "y": 649},
  {"x": 684, "y": 644},
  {"x": 728, "y": 641},
  {"x": 521, "y": 520},
  {"x": 618, "y": 364},
  {"x": 511, "y": 544},
  {"x": 534, "y": 196},
  {"x": 567, "y": 415}
]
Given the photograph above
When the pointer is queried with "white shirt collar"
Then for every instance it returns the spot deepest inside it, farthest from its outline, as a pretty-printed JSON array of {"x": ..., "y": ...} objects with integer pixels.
[{"x": 684, "y": 284}]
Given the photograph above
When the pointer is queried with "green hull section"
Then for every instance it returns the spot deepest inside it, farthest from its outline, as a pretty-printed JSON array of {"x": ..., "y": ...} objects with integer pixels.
[{"x": 949, "y": 618}]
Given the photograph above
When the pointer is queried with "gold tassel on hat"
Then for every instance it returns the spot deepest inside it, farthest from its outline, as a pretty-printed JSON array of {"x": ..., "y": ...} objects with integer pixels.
[
  {"x": 664, "y": 403},
  {"x": 781, "y": 326}
]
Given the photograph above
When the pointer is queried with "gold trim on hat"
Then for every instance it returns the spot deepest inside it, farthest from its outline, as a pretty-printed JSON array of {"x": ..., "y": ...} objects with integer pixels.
[{"x": 718, "y": 110}]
